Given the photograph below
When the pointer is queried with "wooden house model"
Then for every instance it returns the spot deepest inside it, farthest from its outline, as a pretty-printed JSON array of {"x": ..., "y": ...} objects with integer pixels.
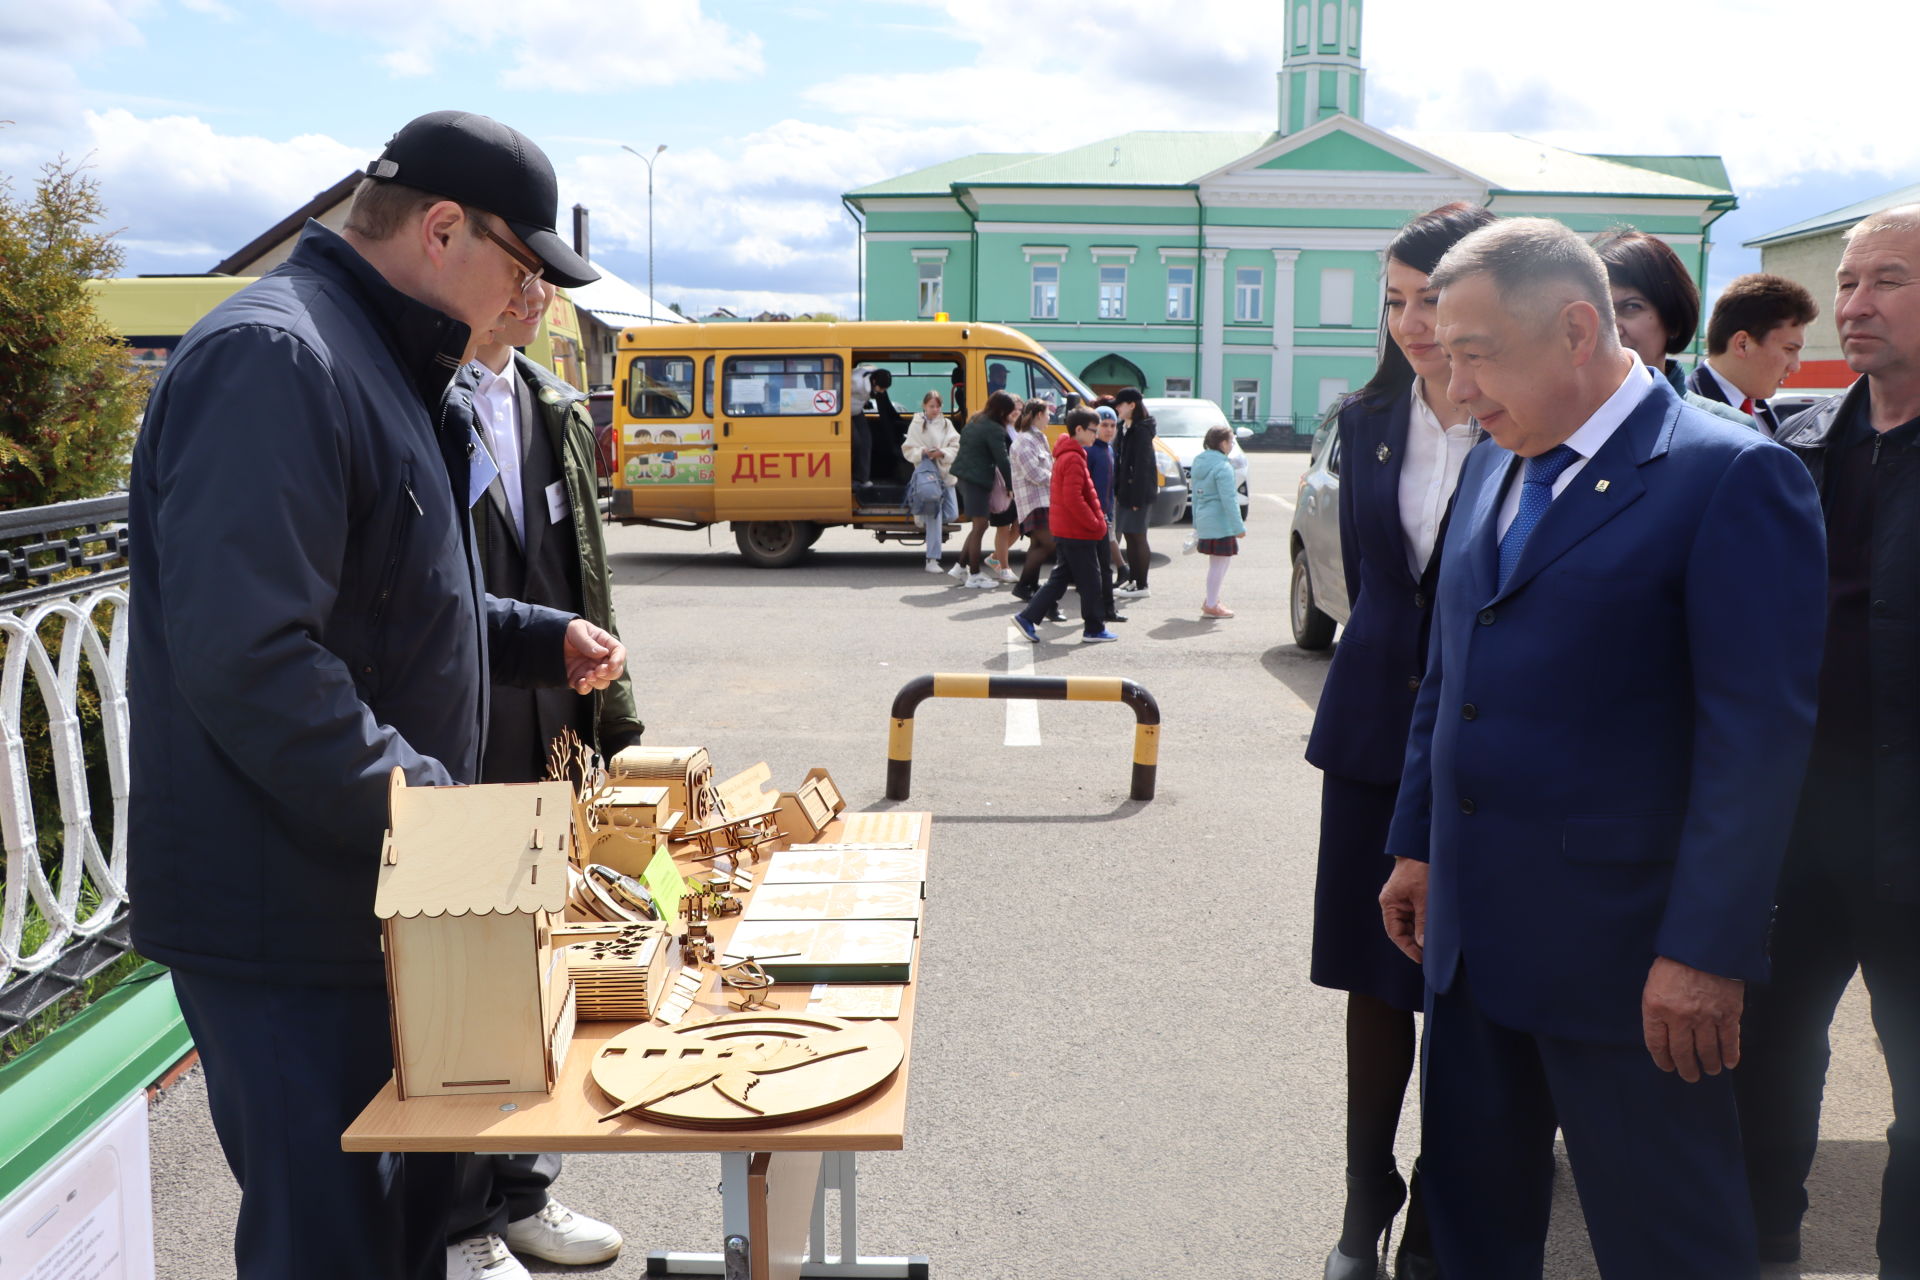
[
  {"x": 472, "y": 883},
  {"x": 806, "y": 811}
]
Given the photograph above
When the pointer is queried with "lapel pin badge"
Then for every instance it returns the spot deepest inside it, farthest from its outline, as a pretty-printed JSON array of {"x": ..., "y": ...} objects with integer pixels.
[
  {"x": 1383, "y": 453},
  {"x": 1601, "y": 486}
]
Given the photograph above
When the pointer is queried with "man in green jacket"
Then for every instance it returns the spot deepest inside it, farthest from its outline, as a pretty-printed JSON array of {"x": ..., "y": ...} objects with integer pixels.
[{"x": 539, "y": 537}]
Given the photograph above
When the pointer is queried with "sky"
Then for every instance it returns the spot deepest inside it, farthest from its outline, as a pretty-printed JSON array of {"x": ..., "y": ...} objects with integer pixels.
[{"x": 206, "y": 121}]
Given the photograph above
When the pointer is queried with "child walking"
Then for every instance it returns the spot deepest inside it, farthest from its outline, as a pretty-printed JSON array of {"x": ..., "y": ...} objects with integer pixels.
[
  {"x": 1217, "y": 526},
  {"x": 1078, "y": 528}
]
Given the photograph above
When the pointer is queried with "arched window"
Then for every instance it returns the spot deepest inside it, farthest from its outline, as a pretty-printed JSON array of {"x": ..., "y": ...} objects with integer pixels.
[
  {"x": 1353, "y": 28},
  {"x": 1330, "y": 25},
  {"x": 1300, "y": 20}
]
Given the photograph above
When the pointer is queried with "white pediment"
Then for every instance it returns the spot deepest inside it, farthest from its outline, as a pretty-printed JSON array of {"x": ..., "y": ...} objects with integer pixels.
[{"x": 1342, "y": 163}]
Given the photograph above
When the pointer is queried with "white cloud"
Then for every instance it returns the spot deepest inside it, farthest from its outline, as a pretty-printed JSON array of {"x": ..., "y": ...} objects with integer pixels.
[
  {"x": 569, "y": 45},
  {"x": 40, "y": 44},
  {"x": 181, "y": 187}
]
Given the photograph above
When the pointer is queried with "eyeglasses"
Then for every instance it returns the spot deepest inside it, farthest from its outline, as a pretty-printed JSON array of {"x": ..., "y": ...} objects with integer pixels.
[{"x": 531, "y": 269}]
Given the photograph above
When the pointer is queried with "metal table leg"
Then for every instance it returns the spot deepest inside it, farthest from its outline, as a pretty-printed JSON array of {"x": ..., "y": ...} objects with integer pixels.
[{"x": 838, "y": 1173}]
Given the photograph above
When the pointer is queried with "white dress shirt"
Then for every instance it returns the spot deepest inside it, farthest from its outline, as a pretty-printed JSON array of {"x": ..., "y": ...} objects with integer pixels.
[
  {"x": 496, "y": 407},
  {"x": 1586, "y": 442},
  {"x": 1428, "y": 475}
]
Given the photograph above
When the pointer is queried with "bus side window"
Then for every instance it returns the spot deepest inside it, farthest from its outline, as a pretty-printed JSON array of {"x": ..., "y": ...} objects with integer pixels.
[
  {"x": 782, "y": 386},
  {"x": 660, "y": 387},
  {"x": 707, "y": 398}
]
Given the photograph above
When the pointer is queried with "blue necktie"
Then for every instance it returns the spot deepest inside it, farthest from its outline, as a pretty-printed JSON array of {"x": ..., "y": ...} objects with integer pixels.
[{"x": 1536, "y": 495}]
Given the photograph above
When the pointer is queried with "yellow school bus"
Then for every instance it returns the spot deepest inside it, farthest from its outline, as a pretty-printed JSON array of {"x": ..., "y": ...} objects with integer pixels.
[{"x": 750, "y": 423}]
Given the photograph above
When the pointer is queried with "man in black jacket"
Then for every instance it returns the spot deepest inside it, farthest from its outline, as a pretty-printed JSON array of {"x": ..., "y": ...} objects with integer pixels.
[
  {"x": 1851, "y": 882},
  {"x": 311, "y": 617}
]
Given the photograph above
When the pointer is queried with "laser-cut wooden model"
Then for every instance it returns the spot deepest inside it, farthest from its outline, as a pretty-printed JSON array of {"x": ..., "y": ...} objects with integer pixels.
[{"x": 471, "y": 885}]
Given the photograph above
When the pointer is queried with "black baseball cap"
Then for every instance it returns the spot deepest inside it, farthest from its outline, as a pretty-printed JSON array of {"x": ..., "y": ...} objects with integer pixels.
[{"x": 483, "y": 163}]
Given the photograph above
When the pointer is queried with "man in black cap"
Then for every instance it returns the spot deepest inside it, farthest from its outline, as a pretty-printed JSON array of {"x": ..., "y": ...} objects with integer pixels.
[{"x": 311, "y": 618}]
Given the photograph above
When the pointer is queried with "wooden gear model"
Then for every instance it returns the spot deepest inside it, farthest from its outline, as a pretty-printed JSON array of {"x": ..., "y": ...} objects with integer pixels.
[
  {"x": 745, "y": 1070},
  {"x": 471, "y": 884}
]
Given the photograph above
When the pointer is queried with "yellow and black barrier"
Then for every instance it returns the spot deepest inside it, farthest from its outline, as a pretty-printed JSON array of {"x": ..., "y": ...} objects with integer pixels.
[{"x": 1146, "y": 715}]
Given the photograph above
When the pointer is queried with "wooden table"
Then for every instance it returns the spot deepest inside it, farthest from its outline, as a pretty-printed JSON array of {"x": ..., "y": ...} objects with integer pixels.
[{"x": 773, "y": 1181}]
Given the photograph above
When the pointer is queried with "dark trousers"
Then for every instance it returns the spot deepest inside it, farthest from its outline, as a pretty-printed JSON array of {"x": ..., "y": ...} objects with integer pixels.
[
  {"x": 1107, "y": 608},
  {"x": 1828, "y": 924},
  {"x": 496, "y": 1189},
  {"x": 288, "y": 1069},
  {"x": 1657, "y": 1160},
  {"x": 1076, "y": 562},
  {"x": 861, "y": 448}
]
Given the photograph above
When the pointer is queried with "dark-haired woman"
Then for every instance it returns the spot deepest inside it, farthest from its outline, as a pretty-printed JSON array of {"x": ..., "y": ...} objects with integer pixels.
[
  {"x": 1136, "y": 484},
  {"x": 1656, "y": 308},
  {"x": 1402, "y": 443},
  {"x": 981, "y": 457}
]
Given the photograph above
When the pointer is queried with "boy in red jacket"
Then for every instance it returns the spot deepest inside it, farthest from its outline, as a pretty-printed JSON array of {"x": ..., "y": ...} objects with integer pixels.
[{"x": 1079, "y": 527}]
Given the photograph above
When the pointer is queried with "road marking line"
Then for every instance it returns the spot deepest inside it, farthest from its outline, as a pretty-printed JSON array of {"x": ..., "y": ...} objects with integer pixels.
[
  {"x": 1023, "y": 714},
  {"x": 1274, "y": 497}
]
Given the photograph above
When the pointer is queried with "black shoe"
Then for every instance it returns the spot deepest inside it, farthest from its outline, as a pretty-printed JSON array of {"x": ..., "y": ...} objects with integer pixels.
[
  {"x": 1116, "y": 617},
  {"x": 1056, "y": 616},
  {"x": 1782, "y": 1247},
  {"x": 1022, "y": 591},
  {"x": 1366, "y": 1222},
  {"x": 1408, "y": 1265}
]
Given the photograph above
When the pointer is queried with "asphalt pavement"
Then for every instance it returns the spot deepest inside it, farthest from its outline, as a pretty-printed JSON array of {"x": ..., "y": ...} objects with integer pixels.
[{"x": 1120, "y": 1069}]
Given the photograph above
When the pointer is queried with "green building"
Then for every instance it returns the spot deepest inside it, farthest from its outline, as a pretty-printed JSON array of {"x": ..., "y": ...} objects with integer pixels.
[{"x": 1240, "y": 267}]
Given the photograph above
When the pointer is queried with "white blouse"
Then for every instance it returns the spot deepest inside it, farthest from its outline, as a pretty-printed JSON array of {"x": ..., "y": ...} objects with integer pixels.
[{"x": 1428, "y": 475}]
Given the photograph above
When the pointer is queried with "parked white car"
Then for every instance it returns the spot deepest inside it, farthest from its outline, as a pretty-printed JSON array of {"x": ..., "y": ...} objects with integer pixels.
[{"x": 1182, "y": 426}]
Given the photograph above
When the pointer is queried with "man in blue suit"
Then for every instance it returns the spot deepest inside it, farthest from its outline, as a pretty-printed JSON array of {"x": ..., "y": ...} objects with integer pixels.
[{"x": 1600, "y": 778}]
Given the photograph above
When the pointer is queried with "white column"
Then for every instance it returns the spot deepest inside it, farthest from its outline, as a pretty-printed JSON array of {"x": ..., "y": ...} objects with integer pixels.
[
  {"x": 1280, "y": 385},
  {"x": 1213, "y": 328}
]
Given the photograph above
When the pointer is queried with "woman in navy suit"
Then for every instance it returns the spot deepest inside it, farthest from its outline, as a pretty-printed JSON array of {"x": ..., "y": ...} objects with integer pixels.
[{"x": 1402, "y": 443}]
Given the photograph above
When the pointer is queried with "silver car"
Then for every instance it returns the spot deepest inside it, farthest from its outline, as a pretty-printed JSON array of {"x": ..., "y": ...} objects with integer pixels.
[{"x": 1319, "y": 597}]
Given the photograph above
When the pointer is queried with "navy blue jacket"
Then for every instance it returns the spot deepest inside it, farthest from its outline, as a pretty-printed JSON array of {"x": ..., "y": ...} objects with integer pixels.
[
  {"x": 1606, "y": 756},
  {"x": 310, "y": 615},
  {"x": 1100, "y": 465},
  {"x": 1360, "y": 729}
]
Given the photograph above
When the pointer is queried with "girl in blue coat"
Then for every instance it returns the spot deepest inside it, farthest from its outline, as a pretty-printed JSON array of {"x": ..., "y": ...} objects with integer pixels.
[
  {"x": 1217, "y": 526},
  {"x": 1402, "y": 444}
]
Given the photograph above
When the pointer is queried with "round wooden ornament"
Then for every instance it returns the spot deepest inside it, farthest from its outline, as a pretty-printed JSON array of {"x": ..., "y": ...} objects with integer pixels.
[{"x": 745, "y": 1071}]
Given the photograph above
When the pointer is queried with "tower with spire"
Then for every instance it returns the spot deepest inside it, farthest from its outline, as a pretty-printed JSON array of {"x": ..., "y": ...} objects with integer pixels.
[{"x": 1321, "y": 75}]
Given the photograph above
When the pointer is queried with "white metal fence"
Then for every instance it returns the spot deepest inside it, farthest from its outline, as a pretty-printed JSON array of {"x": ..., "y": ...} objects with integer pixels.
[{"x": 63, "y": 632}]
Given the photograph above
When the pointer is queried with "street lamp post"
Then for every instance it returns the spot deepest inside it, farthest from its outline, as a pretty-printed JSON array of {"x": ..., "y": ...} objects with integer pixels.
[{"x": 652, "y": 306}]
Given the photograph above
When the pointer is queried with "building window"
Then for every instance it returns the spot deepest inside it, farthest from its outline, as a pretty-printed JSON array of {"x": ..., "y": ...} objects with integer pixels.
[
  {"x": 1336, "y": 297},
  {"x": 1246, "y": 399},
  {"x": 1179, "y": 293},
  {"x": 1353, "y": 31},
  {"x": 1182, "y": 388},
  {"x": 1113, "y": 293},
  {"x": 1329, "y": 25},
  {"x": 1301, "y": 18},
  {"x": 1046, "y": 291},
  {"x": 1331, "y": 390},
  {"x": 930, "y": 273},
  {"x": 1249, "y": 283}
]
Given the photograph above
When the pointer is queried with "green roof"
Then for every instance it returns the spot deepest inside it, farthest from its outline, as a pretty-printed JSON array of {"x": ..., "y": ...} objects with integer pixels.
[
  {"x": 938, "y": 180},
  {"x": 1839, "y": 219},
  {"x": 1708, "y": 171},
  {"x": 1146, "y": 159},
  {"x": 1507, "y": 161},
  {"x": 1513, "y": 163}
]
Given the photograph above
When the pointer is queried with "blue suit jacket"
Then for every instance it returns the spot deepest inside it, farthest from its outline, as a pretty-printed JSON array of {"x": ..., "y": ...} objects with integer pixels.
[
  {"x": 1360, "y": 729},
  {"x": 1606, "y": 756}
]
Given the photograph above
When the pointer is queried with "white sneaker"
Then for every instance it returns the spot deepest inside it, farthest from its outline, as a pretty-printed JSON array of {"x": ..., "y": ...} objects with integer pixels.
[
  {"x": 483, "y": 1258},
  {"x": 1005, "y": 575},
  {"x": 933, "y": 566},
  {"x": 1129, "y": 590},
  {"x": 980, "y": 582},
  {"x": 558, "y": 1234},
  {"x": 959, "y": 570}
]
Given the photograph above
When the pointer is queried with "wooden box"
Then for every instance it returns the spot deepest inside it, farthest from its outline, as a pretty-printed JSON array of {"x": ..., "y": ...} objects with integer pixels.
[
  {"x": 472, "y": 883},
  {"x": 630, "y": 824},
  {"x": 685, "y": 772}
]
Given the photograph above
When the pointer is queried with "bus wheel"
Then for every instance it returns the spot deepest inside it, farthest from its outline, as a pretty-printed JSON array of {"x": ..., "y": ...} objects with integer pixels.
[{"x": 773, "y": 544}]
